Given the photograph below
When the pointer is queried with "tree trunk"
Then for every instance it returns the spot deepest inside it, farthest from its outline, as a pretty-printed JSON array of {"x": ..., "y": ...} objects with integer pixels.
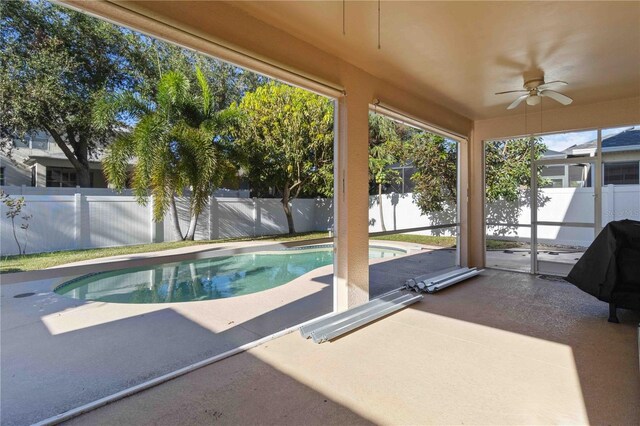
[
  {"x": 84, "y": 177},
  {"x": 287, "y": 208},
  {"x": 191, "y": 233},
  {"x": 79, "y": 157},
  {"x": 175, "y": 219},
  {"x": 384, "y": 229}
]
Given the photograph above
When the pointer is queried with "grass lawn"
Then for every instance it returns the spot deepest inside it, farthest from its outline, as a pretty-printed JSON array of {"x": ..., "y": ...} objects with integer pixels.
[
  {"x": 503, "y": 244},
  {"x": 30, "y": 262},
  {"x": 430, "y": 240}
]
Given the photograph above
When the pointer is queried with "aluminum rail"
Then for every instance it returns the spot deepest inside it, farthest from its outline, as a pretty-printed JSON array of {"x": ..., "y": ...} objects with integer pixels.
[
  {"x": 451, "y": 272},
  {"x": 432, "y": 284},
  {"x": 344, "y": 322},
  {"x": 433, "y": 287}
]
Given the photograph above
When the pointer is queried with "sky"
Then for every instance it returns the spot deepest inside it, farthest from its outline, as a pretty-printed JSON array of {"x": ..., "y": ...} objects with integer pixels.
[{"x": 563, "y": 141}]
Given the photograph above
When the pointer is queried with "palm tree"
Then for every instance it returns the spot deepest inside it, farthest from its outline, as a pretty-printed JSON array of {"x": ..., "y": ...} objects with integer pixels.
[
  {"x": 384, "y": 148},
  {"x": 173, "y": 144}
]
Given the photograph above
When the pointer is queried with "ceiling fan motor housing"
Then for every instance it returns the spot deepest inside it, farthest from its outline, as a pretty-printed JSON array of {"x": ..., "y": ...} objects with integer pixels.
[{"x": 532, "y": 85}]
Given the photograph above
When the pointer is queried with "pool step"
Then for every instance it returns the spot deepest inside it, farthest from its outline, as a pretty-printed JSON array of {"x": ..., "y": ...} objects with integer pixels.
[
  {"x": 338, "y": 324},
  {"x": 432, "y": 283}
]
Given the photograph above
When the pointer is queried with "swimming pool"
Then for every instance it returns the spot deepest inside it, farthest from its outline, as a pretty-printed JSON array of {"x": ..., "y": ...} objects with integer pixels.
[{"x": 205, "y": 279}]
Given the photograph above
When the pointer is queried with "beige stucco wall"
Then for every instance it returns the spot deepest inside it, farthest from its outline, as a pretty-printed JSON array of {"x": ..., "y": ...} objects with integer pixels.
[{"x": 616, "y": 113}]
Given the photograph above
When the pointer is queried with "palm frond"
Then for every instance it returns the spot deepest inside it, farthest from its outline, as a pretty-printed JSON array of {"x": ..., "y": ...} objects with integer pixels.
[
  {"x": 116, "y": 161},
  {"x": 206, "y": 91},
  {"x": 173, "y": 89}
]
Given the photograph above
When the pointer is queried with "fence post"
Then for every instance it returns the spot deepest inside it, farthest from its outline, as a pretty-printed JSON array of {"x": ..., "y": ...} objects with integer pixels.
[
  {"x": 156, "y": 229},
  {"x": 77, "y": 221},
  {"x": 612, "y": 202},
  {"x": 214, "y": 219},
  {"x": 257, "y": 217}
]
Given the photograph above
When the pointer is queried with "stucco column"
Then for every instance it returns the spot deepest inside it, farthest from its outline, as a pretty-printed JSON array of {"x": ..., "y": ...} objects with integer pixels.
[
  {"x": 351, "y": 195},
  {"x": 463, "y": 200},
  {"x": 475, "y": 207}
]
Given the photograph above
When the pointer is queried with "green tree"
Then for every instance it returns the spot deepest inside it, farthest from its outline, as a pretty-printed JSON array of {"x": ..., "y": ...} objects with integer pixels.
[
  {"x": 173, "y": 143},
  {"x": 436, "y": 162},
  {"x": 385, "y": 150},
  {"x": 507, "y": 175},
  {"x": 508, "y": 167},
  {"x": 284, "y": 140},
  {"x": 55, "y": 63},
  {"x": 14, "y": 208}
]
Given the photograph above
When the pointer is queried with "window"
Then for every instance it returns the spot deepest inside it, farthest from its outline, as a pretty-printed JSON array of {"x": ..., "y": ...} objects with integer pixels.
[
  {"x": 2, "y": 182},
  {"x": 626, "y": 173},
  {"x": 21, "y": 142},
  {"x": 40, "y": 140},
  {"x": 61, "y": 177}
]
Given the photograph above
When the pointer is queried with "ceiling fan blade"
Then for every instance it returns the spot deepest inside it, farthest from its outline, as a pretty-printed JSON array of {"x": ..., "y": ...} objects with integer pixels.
[
  {"x": 548, "y": 85},
  {"x": 511, "y": 91},
  {"x": 517, "y": 101},
  {"x": 563, "y": 99}
]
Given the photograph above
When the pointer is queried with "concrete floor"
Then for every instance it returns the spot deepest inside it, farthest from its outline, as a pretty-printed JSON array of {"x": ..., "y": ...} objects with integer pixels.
[
  {"x": 59, "y": 353},
  {"x": 502, "y": 348},
  {"x": 549, "y": 262}
]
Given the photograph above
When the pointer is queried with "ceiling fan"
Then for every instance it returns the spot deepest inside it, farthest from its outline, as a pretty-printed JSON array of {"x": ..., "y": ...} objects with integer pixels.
[{"x": 535, "y": 89}]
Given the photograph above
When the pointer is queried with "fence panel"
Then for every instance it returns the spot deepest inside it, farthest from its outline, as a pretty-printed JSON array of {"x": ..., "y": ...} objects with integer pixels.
[
  {"x": 620, "y": 202},
  {"x": 272, "y": 218},
  {"x": 235, "y": 217},
  {"x": 52, "y": 227},
  {"x": 202, "y": 225},
  {"x": 114, "y": 221}
]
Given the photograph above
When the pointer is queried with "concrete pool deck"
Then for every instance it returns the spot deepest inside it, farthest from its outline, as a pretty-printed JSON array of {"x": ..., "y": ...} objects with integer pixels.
[
  {"x": 59, "y": 353},
  {"x": 502, "y": 348}
]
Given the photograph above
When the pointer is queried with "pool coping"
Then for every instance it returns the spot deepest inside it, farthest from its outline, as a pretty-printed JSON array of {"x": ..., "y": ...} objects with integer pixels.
[{"x": 106, "y": 264}]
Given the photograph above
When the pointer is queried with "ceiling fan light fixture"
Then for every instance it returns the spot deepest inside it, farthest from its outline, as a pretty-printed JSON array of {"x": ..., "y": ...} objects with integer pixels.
[
  {"x": 533, "y": 100},
  {"x": 535, "y": 89}
]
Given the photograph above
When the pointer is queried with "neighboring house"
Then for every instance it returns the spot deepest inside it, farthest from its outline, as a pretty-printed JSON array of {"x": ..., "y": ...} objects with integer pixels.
[
  {"x": 404, "y": 184},
  {"x": 618, "y": 171},
  {"x": 38, "y": 161}
]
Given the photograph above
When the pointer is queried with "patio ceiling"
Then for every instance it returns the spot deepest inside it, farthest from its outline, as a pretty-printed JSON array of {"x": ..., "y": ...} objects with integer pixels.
[{"x": 459, "y": 53}]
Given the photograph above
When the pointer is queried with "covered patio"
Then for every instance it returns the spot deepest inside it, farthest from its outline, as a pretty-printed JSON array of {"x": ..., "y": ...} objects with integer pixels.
[{"x": 502, "y": 348}]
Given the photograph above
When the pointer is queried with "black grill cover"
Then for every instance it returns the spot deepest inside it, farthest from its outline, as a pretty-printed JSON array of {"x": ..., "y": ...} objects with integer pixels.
[{"x": 610, "y": 268}]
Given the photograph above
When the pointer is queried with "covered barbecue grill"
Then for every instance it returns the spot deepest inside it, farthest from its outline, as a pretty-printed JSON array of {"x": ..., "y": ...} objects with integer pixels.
[{"x": 610, "y": 268}]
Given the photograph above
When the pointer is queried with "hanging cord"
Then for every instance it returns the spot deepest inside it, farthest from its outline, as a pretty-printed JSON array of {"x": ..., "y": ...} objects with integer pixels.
[
  {"x": 526, "y": 126},
  {"x": 344, "y": 26},
  {"x": 378, "y": 24},
  {"x": 540, "y": 115}
]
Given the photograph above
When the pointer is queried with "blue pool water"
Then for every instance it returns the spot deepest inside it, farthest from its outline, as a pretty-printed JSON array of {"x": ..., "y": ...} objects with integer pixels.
[{"x": 205, "y": 279}]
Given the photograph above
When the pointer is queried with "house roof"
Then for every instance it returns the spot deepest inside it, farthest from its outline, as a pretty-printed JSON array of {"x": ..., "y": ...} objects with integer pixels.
[
  {"x": 57, "y": 160},
  {"x": 627, "y": 138}
]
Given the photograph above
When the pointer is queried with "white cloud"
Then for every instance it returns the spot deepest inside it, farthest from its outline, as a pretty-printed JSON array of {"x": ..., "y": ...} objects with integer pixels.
[{"x": 563, "y": 141}]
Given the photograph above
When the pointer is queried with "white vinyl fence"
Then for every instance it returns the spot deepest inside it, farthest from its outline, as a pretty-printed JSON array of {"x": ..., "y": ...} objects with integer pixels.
[
  {"x": 81, "y": 220},
  {"x": 91, "y": 218},
  {"x": 574, "y": 205}
]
